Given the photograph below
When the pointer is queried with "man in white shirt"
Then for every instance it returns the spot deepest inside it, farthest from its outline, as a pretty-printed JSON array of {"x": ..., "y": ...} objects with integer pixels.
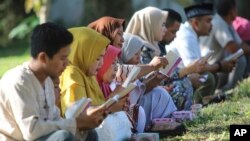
[
  {"x": 186, "y": 45},
  {"x": 224, "y": 41},
  {"x": 27, "y": 101}
]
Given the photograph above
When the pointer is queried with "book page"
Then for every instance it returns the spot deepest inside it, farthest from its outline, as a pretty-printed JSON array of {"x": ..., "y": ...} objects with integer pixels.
[
  {"x": 173, "y": 61},
  {"x": 131, "y": 76},
  {"x": 119, "y": 95},
  {"x": 76, "y": 108},
  {"x": 235, "y": 55}
]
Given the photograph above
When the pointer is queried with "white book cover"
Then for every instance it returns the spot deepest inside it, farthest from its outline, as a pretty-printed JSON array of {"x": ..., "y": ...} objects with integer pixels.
[
  {"x": 235, "y": 55},
  {"x": 76, "y": 108},
  {"x": 173, "y": 61}
]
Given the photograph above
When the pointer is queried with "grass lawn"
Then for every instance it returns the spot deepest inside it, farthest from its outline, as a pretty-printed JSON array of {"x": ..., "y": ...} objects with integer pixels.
[
  {"x": 215, "y": 119},
  {"x": 16, "y": 53}
]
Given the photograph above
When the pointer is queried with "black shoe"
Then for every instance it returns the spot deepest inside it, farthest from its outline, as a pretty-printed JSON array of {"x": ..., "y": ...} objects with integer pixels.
[
  {"x": 177, "y": 131},
  {"x": 218, "y": 98}
]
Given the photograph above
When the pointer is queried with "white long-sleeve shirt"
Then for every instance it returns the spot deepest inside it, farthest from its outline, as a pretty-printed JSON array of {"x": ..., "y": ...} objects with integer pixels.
[{"x": 22, "y": 112}]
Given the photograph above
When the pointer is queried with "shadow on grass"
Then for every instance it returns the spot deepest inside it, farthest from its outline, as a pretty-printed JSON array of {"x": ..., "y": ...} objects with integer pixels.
[{"x": 15, "y": 48}]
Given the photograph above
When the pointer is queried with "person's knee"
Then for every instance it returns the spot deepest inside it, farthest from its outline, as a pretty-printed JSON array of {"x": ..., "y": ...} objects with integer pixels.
[
  {"x": 241, "y": 62},
  {"x": 66, "y": 135},
  {"x": 92, "y": 135}
]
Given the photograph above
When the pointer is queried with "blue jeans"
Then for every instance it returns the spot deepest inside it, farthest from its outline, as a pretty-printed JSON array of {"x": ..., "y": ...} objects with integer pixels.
[{"x": 60, "y": 135}]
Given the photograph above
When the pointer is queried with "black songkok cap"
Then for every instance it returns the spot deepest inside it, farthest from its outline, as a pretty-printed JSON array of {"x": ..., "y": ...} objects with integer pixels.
[{"x": 199, "y": 10}]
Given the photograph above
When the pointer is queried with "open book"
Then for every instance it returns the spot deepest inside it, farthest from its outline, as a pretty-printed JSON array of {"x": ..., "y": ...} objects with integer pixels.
[
  {"x": 76, "y": 108},
  {"x": 235, "y": 55},
  {"x": 120, "y": 95},
  {"x": 131, "y": 76},
  {"x": 208, "y": 55},
  {"x": 173, "y": 61}
]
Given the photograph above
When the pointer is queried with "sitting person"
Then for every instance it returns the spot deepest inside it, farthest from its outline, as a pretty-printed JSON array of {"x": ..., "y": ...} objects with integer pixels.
[
  {"x": 79, "y": 78},
  {"x": 27, "y": 103},
  {"x": 155, "y": 100},
  {"x": 149, "y": 25},
  {"x": 117, "y": 125},
  {"x": 113, "y": 29}
]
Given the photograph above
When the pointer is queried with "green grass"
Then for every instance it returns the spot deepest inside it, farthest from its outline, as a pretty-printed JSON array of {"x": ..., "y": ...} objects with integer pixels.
[
  {"x": 14, "y": 54},
  {"x": 215, "y": 120}
]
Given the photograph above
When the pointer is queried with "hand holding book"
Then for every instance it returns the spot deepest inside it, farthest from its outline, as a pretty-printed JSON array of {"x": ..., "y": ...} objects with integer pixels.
[
  {"x": 173, "y": 61},
  {"x": 119, "y": 95},
  {"x": 235, "y": 55}
]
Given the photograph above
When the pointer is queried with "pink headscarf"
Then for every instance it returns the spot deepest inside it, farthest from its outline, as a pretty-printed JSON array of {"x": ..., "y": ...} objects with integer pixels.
[
  {"x": 242, "y": 26},
  {"x": 109, "y": 57}
]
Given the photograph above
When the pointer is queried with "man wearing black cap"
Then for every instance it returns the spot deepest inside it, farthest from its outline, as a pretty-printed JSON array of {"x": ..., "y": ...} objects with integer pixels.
[
  {"x": 224, "y": 40},
  {"x": 186, "y": 44}
]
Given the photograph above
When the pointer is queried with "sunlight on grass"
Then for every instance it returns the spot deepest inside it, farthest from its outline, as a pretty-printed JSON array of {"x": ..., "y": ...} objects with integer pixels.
[
  {"x": 15, "y": 54},
  {"x": 215, "y": 121},
  {"x": 12, "y": 61}
]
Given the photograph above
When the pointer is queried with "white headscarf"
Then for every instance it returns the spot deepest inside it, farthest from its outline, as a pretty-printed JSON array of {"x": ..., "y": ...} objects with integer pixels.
[
  {"x": 132, "y": 44},
  {"x": 146, "y": 23}
]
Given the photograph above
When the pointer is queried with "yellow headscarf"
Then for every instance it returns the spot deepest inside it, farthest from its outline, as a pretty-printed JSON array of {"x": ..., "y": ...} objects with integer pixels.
[{"x": 87, "y": 46}]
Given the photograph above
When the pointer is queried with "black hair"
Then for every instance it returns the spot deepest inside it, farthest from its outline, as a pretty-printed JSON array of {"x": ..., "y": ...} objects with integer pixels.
[
  {"x": 223, "y": 7},
  {"x": 49, "y": 38},
  {"x": 172, "y": 17}
]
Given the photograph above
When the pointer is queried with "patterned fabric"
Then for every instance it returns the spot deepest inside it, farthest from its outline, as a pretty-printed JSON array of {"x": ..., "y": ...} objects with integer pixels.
[{"x": 182, "y": 92}]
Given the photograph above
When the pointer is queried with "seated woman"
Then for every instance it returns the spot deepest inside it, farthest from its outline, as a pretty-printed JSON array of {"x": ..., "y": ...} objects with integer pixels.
[
  {"x": 79, "y": 78},
  {"x": 112, "y": 128},
  {"x": 113, "y": 29},
  {"x": 156, "y": 101}
]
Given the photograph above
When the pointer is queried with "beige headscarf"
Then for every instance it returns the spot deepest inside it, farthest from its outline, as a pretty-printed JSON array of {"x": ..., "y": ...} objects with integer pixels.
[
  {"x": 146, "y": 23},
  {"x": 87, "y": 46}
]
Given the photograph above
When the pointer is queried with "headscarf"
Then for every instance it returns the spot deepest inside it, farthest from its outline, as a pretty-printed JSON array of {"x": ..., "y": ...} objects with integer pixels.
[
  {"x": 87, "y": 46},
  {"x": 132, "y": 44},
  {"x": 109, "y": 57},
  {"x": 145, "y": 23},
  {"x": 108, "y": 26}
]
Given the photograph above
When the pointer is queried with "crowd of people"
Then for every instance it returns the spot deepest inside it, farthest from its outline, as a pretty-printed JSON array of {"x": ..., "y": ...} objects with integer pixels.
[{"x": 93, "y": 62}]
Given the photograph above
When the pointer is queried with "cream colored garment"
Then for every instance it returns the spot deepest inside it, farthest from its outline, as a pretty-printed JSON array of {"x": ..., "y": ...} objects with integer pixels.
[
  {"x": 146, "y": 23},
  {"x": 21, "y": 112}
]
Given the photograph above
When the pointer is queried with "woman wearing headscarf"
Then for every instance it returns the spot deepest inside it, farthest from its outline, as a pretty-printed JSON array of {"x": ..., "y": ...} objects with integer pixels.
[
  {"x": 149, "y": 25},
  {"x": 113, "y": 29},
  {"x": 157, "y": 103},
  {"x": 79, "y": 78},
  {"x": 116, "y": 126}
]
